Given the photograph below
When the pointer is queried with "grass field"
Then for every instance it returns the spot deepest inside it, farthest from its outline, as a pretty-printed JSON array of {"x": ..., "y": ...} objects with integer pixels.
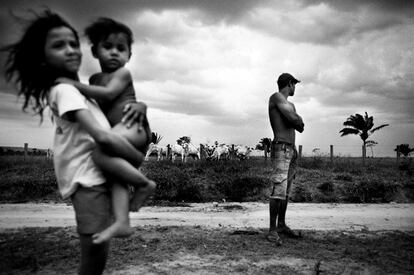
[
  {"x": 203, "y": 250},
  {"x": 318, "y": 180}
]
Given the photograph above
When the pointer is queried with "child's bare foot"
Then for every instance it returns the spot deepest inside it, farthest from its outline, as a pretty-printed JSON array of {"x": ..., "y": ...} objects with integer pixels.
[
  {"x": 141, "y": 195},
  {"x": 116, "y": 230}
]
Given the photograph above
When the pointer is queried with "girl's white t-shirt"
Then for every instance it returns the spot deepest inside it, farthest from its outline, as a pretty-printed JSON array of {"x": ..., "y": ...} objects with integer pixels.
[{"x": 73, "y": 146}]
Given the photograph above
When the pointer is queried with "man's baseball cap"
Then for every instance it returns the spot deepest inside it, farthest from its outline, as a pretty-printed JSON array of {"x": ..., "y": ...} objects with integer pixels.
[{"x": 285, "y": 78}]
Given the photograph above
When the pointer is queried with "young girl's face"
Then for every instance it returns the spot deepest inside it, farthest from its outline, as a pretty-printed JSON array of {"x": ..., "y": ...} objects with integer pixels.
[
  {"x": 62, "y": 51},
  {"x": 113, "y": 52}
]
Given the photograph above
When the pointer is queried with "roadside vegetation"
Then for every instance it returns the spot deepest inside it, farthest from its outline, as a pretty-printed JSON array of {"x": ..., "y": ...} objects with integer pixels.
[{"x": 343, "y": 180}]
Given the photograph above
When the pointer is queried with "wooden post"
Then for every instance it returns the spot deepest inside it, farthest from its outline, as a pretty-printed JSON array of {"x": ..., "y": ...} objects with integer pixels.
[
  {"x": 332, "y": 153},
  {"x": 232, "y": 155},
  {"x": 25, "y": 150},
  {"x": 300, "y": 152}
]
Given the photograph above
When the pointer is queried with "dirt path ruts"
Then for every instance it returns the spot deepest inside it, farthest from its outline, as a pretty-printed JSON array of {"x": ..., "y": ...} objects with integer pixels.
[{"x": 238, "y": 215}]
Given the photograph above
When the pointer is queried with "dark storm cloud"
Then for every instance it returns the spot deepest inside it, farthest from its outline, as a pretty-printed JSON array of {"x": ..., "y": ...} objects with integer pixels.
[
  {"x": 382, "y": 14},
  {"x": 81, "y": 13},
  {"x": 398, "y": 6},
  {"x": 241, "y": 12},
  {"x": 331, "y": 22},
  {"x": 347, "y": 19},
  {"x": 227, "y": 10}
]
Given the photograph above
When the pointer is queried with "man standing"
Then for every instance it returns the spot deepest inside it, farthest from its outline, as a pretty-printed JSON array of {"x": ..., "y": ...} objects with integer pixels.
[{"x": 284, "y": 121}]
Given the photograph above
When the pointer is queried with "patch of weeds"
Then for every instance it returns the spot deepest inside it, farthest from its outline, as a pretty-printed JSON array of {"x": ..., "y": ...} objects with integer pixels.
[
  {"x": 245, "y": 189},
  {"x": 368, "y": 191},
  {"x": 326, "y": 187},
  {"x": 301, "y": 193},
  {"x": 344, "y": 177}
]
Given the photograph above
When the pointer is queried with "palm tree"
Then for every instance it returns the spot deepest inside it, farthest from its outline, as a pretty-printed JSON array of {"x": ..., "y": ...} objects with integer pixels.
[
  {"x": 263, "y": 143},
  {"x": 184, "y": 139},
  {"x": 362, "y": 126},
  {"x": 155, "y": 138},
  {"x": 371, "y": 144}
]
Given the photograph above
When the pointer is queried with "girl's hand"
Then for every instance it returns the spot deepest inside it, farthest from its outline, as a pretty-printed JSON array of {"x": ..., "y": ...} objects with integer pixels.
[
  {"x": 134, "y": 112},
  {"x": 65, "y": 80}
]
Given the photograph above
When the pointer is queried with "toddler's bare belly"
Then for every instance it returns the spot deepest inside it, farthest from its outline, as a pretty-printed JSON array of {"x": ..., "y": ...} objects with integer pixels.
[{"x": 137, "y": 138}]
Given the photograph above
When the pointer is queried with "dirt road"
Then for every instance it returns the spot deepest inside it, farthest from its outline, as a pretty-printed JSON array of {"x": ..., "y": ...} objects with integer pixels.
[
  {"x": 238, "y": 215},
  {"x": 202, "y": 239}
]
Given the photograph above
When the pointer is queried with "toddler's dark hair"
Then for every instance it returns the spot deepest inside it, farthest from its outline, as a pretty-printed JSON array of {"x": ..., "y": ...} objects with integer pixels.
[
  {"x": 25, "y": 64},
  {"x": 102, "y": 28}
]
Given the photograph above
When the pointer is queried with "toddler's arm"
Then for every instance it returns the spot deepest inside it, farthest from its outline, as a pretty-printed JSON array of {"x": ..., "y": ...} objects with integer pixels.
[{"x": 119, "y": 81}]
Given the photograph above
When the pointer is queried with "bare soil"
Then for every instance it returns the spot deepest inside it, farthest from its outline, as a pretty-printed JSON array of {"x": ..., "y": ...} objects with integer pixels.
[{"x": 225, "y": 238}]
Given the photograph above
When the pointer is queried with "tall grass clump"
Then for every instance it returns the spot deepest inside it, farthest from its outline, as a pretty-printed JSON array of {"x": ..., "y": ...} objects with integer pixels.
[
  {"x": 343, "y": 180},
  {"x": 27, "y": 179},
  {"x": 173, "y": 182},
  {"x": 205, "y": 181}
]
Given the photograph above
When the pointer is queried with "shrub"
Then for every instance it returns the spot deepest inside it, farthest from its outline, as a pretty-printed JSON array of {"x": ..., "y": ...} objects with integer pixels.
[
  {"x": 344, "y": 177},
  {"x": 33, "y": 179},
  {"x": 368, "y": 191},
  {"x": 174, "y": 184},
  {"x": 246, "y": 189},
  {"x": 326, "y": 187},
  {"x": 316, "y": 162},
  {"x": 301, "y": 193}
]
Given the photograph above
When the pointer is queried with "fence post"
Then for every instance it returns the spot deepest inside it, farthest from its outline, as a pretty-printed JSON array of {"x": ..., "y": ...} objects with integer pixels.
[
  {"x": 26, "y": 145},
  {"x": 300, "y": 152},
  {"x": 332, "y": 153}
]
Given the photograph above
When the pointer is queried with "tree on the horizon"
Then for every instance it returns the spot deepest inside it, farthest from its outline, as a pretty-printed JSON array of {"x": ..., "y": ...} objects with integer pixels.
[
  {"x": 371, "y": 144},
  {"x": 404, "y": 149},
  {"x": 263, "y": 143},
  {"x": 184, "y": 139},
  {"x": 362, "y": 126}
]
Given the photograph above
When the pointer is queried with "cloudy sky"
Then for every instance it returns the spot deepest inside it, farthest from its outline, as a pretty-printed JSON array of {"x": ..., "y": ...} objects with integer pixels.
[{"x": 206, "y": 69}]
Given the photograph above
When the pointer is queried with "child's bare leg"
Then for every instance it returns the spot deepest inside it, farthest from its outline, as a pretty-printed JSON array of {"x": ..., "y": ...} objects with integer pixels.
[
  {"x": 141, "y": 195},
  {"x": 121, "y": 227},
  {"x": 119, "y": 169},
  {"x": 126, "y": 173}
]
